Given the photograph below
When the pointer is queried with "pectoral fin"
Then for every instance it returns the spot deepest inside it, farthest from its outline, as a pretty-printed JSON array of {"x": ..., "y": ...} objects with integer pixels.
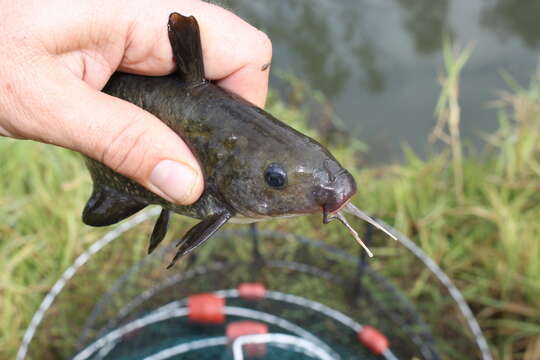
[
  {"x": 160, "y": 230},
  {"x": 186, "y": 46},
  {"x": 199, "y": 234},
  {"x": 107, "y": 206}
]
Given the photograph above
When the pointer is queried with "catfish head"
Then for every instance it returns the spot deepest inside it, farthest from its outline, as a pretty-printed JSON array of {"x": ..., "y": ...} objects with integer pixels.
[{"x": 279, "y": 172}]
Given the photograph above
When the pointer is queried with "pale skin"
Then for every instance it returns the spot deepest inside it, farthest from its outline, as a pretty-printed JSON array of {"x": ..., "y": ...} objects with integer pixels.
[{"x": 56, "y": 56}]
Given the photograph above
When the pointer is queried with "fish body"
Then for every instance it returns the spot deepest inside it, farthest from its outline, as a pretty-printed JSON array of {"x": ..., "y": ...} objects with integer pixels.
[
  {"x": 255, "y": 167},
  {"x": 234, "y": 142}
]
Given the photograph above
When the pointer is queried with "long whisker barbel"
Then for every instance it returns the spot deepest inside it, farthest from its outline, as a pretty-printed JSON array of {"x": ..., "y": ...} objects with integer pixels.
[
  {"x": 353, "y": 210},
  {"x": 341, "y": 218}
]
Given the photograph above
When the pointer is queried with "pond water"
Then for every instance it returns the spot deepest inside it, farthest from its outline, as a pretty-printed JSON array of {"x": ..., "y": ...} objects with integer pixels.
[{"x": 377, "y": 61}]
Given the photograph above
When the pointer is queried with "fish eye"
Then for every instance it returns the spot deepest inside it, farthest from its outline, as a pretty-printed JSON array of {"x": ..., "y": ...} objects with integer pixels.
[{"x": 275, "y": 176}]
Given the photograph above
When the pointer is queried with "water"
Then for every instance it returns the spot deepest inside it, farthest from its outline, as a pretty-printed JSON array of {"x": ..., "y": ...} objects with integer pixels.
[{"x": 377, "y": 61}]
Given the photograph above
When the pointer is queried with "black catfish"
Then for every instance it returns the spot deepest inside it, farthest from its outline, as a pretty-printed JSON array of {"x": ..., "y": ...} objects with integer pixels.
[{"x": 255, "y": 167}]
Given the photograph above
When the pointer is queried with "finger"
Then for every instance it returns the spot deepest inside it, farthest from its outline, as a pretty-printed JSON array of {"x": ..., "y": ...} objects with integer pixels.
[
  {"x": 126, "y": 138},
  {"x": 249, "y": 82},
  {"x": 234, "y": 52}
]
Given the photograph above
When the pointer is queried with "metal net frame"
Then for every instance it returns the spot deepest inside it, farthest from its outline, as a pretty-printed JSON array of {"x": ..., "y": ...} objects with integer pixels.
[{"x": 366, "y": 288}]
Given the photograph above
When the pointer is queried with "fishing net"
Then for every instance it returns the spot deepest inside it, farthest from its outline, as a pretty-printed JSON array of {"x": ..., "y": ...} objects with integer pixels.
[{"x": 252, "y": 293}]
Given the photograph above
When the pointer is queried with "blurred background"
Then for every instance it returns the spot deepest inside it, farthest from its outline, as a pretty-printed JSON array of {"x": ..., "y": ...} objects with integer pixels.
[
  {"x": 433, "y": 105},
  {"x": 377, "y": 62}
]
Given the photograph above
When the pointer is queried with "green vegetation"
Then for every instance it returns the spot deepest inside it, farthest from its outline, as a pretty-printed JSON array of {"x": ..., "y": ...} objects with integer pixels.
[{"x": 477, "y": 216}]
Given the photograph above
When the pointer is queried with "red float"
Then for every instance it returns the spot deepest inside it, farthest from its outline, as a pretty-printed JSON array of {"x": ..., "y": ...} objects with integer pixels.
[
  {"x": 373, "y": 340},
  {"x": 206, "y": 308},
  {"x": 252, "y": 291},
  {"x": 241, "y": 328}
]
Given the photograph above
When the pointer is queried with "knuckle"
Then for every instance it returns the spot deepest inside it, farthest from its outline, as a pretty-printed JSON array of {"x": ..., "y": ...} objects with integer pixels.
[{"x": 123, "y": 153}]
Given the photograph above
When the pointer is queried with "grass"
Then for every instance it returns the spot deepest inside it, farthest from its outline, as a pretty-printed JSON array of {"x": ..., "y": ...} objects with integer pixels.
[
  {"x": 448, "y": 111},
  {"x": 478, "y": 217}
]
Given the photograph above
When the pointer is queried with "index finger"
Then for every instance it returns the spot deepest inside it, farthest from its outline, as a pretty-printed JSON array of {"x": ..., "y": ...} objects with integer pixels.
[{"x": 235, "y": 54}]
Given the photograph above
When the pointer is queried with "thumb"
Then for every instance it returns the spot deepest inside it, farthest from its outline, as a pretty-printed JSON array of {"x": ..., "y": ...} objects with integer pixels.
[{"x": 124, "y": 137}]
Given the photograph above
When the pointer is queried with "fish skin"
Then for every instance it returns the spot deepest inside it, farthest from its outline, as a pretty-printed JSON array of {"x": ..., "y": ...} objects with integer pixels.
[{"x": 234, "y": 142}]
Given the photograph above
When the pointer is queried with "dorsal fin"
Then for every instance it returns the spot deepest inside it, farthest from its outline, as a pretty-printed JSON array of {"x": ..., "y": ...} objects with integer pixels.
[
  {"x": 186, "y": 46},
  {"x": 107, "y": 206}
]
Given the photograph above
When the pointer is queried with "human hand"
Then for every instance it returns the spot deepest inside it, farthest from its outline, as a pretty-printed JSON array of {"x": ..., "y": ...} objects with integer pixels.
[{"x": 57, "y": 55}]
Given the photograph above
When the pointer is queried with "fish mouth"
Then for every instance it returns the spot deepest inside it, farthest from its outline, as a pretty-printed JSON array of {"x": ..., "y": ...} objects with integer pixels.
[
  {"x": 329, "y": 214},
  {"x": 335, "y": 194}
]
